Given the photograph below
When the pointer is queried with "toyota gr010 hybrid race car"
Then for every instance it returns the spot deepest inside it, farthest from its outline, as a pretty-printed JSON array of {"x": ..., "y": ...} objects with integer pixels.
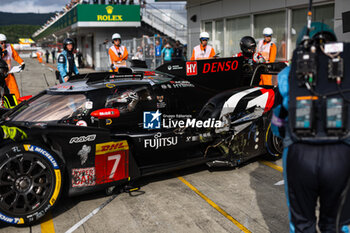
[{"x": 106, "y": 129}]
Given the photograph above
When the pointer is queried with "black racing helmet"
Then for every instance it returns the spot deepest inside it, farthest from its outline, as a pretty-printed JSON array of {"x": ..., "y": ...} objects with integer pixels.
[
  {"x": 68, "y": 41},
  {"x": 248, "y": 45}
]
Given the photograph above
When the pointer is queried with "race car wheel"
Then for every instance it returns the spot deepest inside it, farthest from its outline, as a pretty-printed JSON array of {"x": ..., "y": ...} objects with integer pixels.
[
  {"x": 30, "y": 183},
  {"x": 274, "y": 144}
]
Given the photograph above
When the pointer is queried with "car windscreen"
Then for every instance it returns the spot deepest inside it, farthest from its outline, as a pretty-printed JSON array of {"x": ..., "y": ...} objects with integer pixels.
[{"x": 49, "y": 108}]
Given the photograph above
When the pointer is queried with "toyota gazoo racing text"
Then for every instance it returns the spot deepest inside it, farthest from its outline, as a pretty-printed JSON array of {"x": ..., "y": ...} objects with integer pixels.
[{"x": 102, "y": 130}]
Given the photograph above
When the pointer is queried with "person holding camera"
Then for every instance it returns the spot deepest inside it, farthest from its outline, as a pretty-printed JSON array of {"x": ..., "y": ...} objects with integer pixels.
[
  {"x": 316, "y": 150},
  {"x": 118, "y": 54}
]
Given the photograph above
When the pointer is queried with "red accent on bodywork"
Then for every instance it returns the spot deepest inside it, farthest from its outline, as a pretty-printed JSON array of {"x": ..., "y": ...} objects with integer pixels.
[
  {"x": 23, "y": 98},
  {"x": 191, "y": 68},
  {"x": 149, "y": 73},
  {"x": 104, "y": 166},
  {"x": 270, "y": 100},
  {"x": 106, "y": 113}
]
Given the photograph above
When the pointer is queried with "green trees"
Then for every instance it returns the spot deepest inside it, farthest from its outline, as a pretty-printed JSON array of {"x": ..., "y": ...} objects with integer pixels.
[{"x": 14, "y": 32}]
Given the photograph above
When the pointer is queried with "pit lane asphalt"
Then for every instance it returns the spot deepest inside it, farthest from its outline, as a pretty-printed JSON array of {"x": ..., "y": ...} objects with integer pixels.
[{"x": 252, "y": 195}]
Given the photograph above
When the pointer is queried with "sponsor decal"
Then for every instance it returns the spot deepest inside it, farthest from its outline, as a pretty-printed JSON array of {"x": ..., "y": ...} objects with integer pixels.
[
  {"x": 191, "y": 68},
  {"x": 84, "y": 153},
  {"x": 175, "y": 67},
  {"x": 158, "y": 141},
  {"x": 151, "y": 120},
  {"x": 10, "y": 219},
  {"x": 42, "y": 152},
  {"x": 81, "y": 123},
  {"x": 81, "y": 139},
  {"x": 191, "y": 123},
  {"x": 180, "y": 84},
  {"x": 192, "y": 138},
  {"x": 161, "y": 103},
  {"x": 63, "y": 86},
  {"x": 108, "y": 147},
  {"x": 111, "y": 161},
  {"x": 109, "y": 17},
  {"x": 83, "y": 177},
  {"x": 110, "y": 85},
  {"x": 89, "y": 104},
  {"x": 16, "y": 149},
  {"x": 214, "y": 67},
  {"x": 55, "y": 166},
  {"x": 106, "y": 113},
  {"x": 40, "y": 125},
  {"x": 109, "y": 121},
  {"x": 61, "y": 59}
]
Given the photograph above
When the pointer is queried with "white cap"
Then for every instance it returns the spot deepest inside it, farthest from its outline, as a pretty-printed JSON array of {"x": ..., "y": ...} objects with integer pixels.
[
  {"x": 3, "y": 37},
  {"x": 267, "y": 31},
  {"x": 204, "y": 35},
  {"x": 116, "y": 36}
]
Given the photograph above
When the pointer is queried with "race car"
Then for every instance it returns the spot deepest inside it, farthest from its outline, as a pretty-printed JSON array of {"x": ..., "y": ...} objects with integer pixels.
[{"x": 102, "y": 130}]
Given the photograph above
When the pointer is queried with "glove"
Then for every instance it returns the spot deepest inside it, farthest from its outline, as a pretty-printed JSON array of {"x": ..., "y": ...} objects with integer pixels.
[
  {"x": 22, "y": 66},
  {"x": 278, "y": 121},
  {"x": 13, "y": 133},
  {"x": 4, "y": 53}
]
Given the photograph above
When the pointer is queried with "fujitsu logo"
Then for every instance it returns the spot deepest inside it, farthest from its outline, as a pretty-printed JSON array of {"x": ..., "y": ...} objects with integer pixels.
[{"x": 158, "y": 141}]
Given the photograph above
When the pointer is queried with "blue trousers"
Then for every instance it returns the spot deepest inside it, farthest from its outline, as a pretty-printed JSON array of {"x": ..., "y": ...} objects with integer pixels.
[{"x": 316, "y": 172}]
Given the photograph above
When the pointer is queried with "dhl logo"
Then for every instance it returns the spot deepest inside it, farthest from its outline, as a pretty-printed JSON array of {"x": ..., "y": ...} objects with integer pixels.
[{"x": 109, "y": 147}]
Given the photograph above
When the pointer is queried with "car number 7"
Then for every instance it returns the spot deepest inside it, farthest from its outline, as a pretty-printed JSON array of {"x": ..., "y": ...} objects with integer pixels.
[{"x": 116, "y": 162}]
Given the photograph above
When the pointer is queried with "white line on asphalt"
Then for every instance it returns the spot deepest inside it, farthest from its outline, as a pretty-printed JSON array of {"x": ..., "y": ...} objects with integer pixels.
[
  {"x": 94, "y": 212},
  {"x": 281, "y": 182}
]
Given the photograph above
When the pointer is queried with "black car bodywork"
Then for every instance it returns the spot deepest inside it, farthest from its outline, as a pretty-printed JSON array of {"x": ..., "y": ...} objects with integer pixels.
[{"x": 106, "y": 129}]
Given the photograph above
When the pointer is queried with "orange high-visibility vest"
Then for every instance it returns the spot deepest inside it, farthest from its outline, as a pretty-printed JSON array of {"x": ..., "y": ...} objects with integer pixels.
[
  {"x": 267, "y": 50},
  {"x": 116, "y": 59},
  {"x": 202, "y": 53}
]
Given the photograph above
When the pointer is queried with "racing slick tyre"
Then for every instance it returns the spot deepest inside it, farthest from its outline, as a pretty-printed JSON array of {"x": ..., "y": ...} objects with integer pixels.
[
  {"x": 30, "y": 182},
  {"x": 274, "y": 145}
]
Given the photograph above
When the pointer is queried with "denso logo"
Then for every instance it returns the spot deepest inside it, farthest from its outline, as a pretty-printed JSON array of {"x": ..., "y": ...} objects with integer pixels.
[
  {"x": 81, "y": 139},
  {"x": 220, "y": 66}
]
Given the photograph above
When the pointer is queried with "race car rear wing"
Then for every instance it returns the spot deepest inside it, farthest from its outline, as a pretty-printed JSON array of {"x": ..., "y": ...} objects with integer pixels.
[{"x": 220, "y": 74}]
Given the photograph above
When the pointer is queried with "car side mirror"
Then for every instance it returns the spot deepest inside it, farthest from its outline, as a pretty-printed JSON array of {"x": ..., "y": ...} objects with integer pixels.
[{"x": 106, "y": 113}]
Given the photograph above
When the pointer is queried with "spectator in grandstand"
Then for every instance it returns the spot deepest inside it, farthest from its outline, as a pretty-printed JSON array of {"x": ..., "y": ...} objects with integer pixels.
[
  {"x": 178, "y": 52},
  {"x": 167, "y": 53},
  {"x": 158, "y": 53}
]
